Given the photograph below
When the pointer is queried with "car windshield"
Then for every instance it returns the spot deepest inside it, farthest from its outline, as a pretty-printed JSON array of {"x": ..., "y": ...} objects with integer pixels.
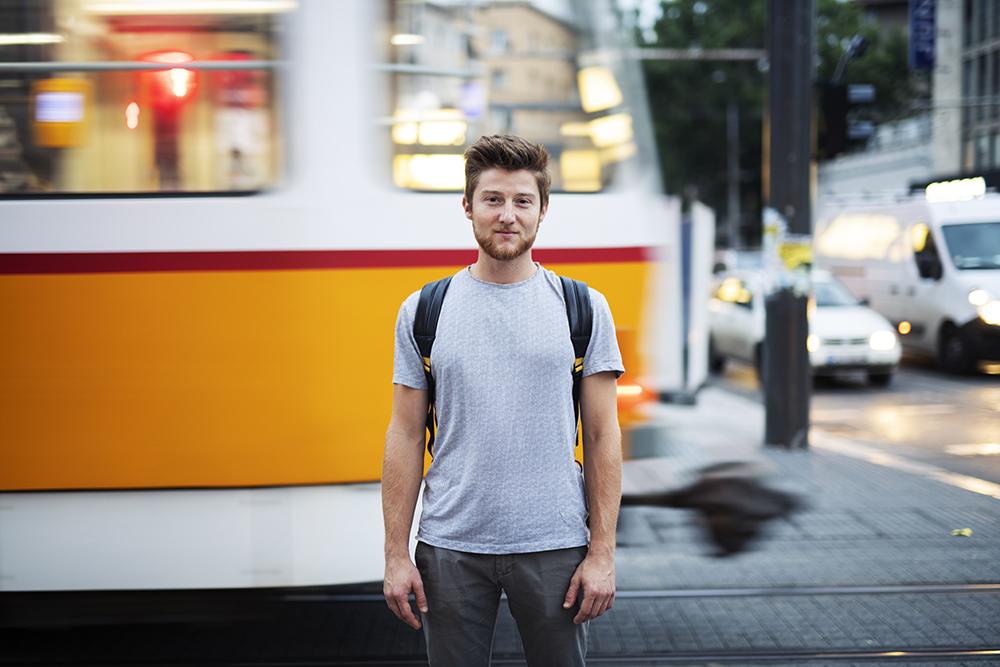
[
  {"x": 832, "y": 293},
  {"x": 974, "y": 245}
]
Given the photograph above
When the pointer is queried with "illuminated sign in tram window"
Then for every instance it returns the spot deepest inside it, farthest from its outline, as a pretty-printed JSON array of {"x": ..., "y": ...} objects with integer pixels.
[
  {"x": 59, "y": 117},
  {"x": 59, "y": 107}
]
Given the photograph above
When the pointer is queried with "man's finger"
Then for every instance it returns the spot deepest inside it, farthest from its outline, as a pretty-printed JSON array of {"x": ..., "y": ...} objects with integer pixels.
[
  {"x": 574, "y": 588},
  {"x": 605, "y": 605},
  {"x": 419, "y": 597},
  {"x": 399, "y": 603},
  {"x": 586, "y": 607},
  {"x": 406, "y": 613}
]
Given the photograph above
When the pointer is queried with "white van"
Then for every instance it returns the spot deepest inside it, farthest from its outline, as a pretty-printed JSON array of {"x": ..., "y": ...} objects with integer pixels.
[{"x": 931, "y": 268}]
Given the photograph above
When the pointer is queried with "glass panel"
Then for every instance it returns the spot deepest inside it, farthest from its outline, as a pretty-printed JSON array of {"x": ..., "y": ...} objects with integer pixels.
[
  {"x": 832, "y": 293},
  {"x": 123, "y": 131},
  {"x": 982, "y": 152},
  {"x": 973, "y": 246},
  {"x": 981, "y": 91},
  {"x": 995, "y": 89},
  {"x": 982, "y": 27},
  {"x": 967, "y": 92},
  {"x": 520, "y": 70},
  {"x": 968, "y": 24}
]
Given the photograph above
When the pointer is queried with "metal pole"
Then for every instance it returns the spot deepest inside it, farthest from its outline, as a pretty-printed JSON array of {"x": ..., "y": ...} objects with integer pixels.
[
  {"x": 733, "y": 174},
  {"x": 789, "y": 127}
]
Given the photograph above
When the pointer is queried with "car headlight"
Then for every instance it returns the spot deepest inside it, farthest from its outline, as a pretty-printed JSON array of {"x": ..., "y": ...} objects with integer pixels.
[
  {"x": 979, "y": 297},
  {"x": 990, "y": 312},
  {"x": 882, "y": 340}
]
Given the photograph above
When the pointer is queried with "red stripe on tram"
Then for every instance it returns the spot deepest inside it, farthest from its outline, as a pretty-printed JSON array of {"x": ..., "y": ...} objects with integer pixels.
[{"x": 284, "y": 260}]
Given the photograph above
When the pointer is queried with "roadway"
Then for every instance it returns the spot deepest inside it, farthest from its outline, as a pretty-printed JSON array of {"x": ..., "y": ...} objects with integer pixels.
[{"x": 925, "y": 414}]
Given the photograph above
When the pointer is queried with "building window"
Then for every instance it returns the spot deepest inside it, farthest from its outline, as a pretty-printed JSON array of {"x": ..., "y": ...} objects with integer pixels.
[
  {"x": 499, "y": 79},
  {"x": 969, "y": 25},
  {"x": 982, "y": 152},
  {"x": 498, "y": 41},
  {"x": 983, "y": 24},
  {"x": 981, "y": 91},
  {"x": 995, "y": 91}
]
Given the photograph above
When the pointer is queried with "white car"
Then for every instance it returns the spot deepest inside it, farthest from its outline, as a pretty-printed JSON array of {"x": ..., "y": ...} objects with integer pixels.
[{"x": 844, "y": 334}]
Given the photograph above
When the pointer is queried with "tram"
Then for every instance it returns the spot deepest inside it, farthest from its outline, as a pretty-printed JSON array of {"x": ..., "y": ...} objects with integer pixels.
[{"x": 210, "y": 212}]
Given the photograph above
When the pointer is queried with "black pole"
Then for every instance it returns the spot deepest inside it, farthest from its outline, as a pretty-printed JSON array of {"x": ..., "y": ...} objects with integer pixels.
[{"x": 788, "y": 134}]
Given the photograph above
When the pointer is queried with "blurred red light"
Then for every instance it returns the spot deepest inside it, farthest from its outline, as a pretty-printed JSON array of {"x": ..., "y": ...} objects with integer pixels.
[{"x": 173, "y": 86}]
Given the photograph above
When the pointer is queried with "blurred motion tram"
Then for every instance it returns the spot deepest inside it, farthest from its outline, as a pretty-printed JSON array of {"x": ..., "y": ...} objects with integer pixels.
[{"x": 210, "y": 212}]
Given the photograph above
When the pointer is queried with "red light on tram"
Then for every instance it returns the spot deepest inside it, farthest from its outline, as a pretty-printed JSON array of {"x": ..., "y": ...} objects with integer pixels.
[
  {"x": 132, "y": 116},
  {"x": 173, "y": 86}
]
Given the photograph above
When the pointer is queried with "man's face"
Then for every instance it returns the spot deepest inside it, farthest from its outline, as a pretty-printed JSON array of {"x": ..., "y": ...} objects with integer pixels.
[{"x": 505, "y": 210}]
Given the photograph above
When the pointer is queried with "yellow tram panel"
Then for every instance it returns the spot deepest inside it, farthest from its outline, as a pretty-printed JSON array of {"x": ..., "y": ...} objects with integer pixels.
[{"x": 212, "y": 378}]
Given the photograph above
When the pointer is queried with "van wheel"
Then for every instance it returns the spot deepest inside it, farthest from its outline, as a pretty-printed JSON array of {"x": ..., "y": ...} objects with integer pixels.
[
  {"x": 953, "y": 352},
  {"x": 716, "y": 362}
]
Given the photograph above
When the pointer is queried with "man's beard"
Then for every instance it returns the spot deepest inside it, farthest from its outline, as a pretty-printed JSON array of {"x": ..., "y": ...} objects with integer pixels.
[{"x": 489, "y": 246}]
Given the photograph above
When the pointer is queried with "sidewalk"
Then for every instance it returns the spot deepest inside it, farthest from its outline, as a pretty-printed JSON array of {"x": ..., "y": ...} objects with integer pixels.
[
  {"x": 871, "y": 562},
  {"x": 864, "y": 523}
]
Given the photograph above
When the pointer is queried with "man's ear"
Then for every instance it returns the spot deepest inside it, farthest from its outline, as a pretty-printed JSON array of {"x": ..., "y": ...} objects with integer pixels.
[
  {"x": 468, "y": 207},
  {"x": 545, "y": 209}
]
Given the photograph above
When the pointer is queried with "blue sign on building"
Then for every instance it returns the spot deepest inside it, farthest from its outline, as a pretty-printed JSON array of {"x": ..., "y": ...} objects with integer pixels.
[{"x": 922, "y": 33}]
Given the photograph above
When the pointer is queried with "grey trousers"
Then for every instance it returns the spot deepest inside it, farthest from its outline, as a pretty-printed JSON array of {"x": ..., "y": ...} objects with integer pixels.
[{"x": 463, "y": 599}]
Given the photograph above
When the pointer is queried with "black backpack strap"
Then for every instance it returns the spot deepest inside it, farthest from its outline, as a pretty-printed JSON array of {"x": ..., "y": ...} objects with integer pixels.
[
  {"x": 424, "y": 329},
  {"x": 581, "y": 324}
]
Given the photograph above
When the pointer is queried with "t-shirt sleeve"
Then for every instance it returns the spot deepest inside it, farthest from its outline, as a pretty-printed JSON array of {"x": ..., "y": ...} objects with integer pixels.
[
  {"x": 602, "y": 353},
  {"x": 407, "y": 366}
]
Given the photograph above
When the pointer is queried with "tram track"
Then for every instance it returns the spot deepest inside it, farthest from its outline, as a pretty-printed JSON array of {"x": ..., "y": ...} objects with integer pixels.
[
  {"x": 900, "y": 657},
  {"x": 777, "y": 591},
  {"x": 817, "y": 626}
]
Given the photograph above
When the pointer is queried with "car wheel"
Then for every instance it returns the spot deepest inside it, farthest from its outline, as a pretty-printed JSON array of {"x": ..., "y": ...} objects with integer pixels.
[
  {"x": 880, "y": 379},
  {"x": 953, "y": 352},
  {"x": 716, "y": 362}
]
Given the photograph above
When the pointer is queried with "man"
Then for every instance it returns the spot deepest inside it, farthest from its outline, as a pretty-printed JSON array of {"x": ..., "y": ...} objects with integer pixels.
[{"x": 505, "y": 507}]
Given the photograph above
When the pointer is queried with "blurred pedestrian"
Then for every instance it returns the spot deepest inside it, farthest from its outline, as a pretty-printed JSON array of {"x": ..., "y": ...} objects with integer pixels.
[{"x": 505, "y": 507}]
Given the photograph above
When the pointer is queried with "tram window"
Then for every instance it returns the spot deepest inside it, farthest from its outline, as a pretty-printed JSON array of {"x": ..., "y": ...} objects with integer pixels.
[
  {"x": 109, "y": 128},
  {"x": 485, "y": 78}
]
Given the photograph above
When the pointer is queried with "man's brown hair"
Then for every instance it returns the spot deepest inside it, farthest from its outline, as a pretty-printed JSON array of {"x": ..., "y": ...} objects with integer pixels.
[{"x": 510, "y": 153}]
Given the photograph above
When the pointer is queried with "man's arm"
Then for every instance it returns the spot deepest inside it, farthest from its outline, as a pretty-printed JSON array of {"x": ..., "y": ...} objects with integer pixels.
[
  {"x": 402, "y": 470},
  {"x": 602, "y": 470}
]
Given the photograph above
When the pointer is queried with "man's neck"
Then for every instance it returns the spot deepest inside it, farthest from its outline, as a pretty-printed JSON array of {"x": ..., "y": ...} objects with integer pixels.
[{"x": 492, "y": 270}]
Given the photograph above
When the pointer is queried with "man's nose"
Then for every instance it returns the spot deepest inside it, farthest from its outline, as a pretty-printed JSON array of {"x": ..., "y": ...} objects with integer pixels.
[{"x": 507, "y": 213}]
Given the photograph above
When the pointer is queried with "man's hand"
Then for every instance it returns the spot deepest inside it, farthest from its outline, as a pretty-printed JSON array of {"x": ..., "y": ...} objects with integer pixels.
[
  {"x": 401, "y": 579},
  {"x": 594, "y": 580}
]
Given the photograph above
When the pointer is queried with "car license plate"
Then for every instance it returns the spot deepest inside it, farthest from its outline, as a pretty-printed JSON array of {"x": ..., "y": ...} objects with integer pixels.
[{"x": 846, "y": 361}]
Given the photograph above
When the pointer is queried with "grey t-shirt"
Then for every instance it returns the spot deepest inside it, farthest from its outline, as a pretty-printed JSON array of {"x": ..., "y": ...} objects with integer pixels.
[{"x": 504, "y": 478}]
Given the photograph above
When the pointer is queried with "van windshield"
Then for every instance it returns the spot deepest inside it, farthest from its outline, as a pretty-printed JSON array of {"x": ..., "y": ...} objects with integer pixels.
[{"x": 974, "y": 245}]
